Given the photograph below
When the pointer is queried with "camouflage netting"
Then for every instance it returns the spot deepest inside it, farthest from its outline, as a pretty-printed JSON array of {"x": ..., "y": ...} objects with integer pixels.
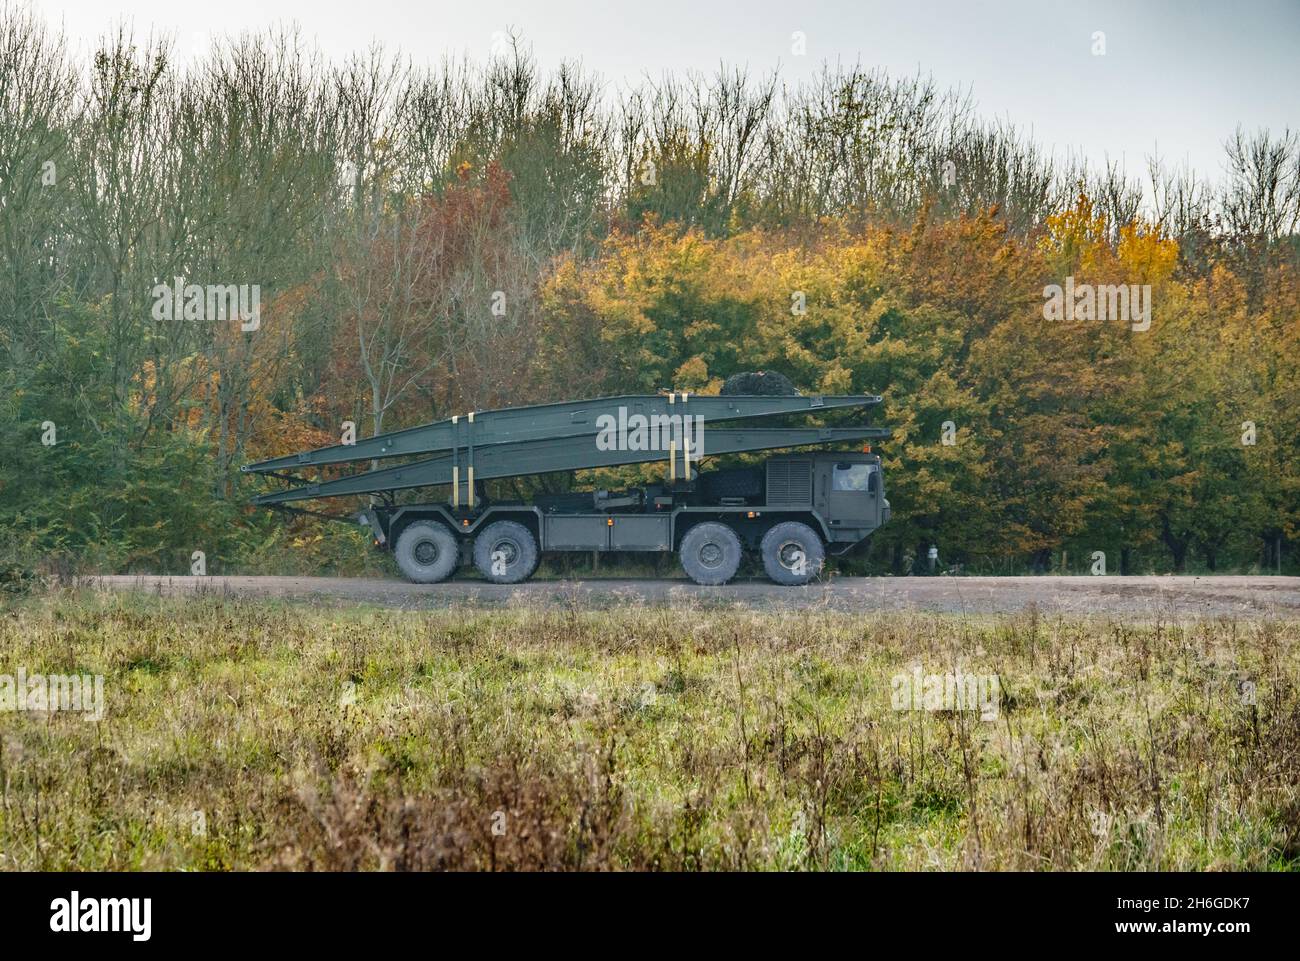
[{"x": 766, "y": 382}]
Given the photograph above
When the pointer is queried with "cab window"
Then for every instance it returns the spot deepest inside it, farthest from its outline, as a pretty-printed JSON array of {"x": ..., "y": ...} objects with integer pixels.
[{"x": 853, "y": 477}]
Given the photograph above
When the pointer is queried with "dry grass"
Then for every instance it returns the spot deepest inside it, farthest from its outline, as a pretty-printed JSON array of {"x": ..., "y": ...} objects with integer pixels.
[{"x": 270, "y": 735}]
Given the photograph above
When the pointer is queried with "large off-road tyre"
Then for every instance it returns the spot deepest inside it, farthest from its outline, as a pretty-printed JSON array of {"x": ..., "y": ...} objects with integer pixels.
[
  {"x": 792, "y": 553},
  {"x": 427, "y": 552},
  {"x": 710, "y": 553},
  {"x": 505, "y": 552}
]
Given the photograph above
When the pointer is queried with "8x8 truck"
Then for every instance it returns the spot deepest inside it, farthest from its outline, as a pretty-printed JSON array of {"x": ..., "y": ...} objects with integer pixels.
[{"x": 793, "y": 510}]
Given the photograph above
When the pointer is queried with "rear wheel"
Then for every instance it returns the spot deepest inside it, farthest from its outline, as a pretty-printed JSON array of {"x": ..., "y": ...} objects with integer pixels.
[
  {"x": 793, "y": 554},
  {"x": 710, "y": 553},
  {"x": 427, "y": 552},
  {"x": 505, "y": 552}
]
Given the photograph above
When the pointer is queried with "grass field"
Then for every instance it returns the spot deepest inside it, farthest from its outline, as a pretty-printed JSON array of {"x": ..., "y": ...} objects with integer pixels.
[{"x": 259, "y": 734}]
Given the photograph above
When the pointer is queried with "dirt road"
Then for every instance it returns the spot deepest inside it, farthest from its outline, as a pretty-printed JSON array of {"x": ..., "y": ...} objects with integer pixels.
[{"x": 1143, "y": 597}]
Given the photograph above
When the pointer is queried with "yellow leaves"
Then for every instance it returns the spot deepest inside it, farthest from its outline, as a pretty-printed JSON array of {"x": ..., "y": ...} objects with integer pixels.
[
  {"x": 1148, "y": 257},
  {"x": 1076, "y": 237}
]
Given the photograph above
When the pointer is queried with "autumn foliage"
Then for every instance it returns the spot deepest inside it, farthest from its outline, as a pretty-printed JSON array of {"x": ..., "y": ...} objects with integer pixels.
[{"x": 430, "y": 242}]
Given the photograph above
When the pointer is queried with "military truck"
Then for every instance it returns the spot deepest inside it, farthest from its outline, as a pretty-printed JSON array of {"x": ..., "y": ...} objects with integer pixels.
[{"x": 793, "y": 510}]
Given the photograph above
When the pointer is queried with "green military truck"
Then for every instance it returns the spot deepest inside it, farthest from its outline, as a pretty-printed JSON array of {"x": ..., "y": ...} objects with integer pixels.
[{"x": 793, "y": 510}]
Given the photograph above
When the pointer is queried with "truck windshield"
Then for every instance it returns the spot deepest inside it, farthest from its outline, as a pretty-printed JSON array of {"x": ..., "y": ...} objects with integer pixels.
[{"x": 852, "y": 477}]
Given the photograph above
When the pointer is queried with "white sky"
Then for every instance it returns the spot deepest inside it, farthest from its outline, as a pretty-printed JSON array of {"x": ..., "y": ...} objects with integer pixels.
[{"x": 1178, "y": 76}]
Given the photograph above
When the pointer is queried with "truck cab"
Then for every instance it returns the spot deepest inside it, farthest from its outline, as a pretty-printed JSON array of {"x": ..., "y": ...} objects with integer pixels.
[{"x": 846, "y": 489}]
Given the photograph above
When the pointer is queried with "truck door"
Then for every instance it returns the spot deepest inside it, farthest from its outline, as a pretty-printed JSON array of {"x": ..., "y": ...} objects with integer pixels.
[{"x": 853, "y": 497}]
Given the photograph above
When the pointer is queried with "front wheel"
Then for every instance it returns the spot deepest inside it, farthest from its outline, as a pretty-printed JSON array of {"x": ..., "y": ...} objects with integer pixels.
[
  {"x": 793, "y": 554},
  {"x": 427, "y": 552},
  {"x": 710, "y": 553},
  {"x": 505, "y": 552}
]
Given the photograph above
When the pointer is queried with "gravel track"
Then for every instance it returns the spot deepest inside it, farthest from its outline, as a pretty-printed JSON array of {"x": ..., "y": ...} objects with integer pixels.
[{"x": 1144, "y": 597}]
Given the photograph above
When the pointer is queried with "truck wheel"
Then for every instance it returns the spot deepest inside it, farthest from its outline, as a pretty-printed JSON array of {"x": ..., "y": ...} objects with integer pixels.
[
  {"x": 792, "y": 553},
  {"x": 505, "y": 552},
  {"x": 427, "y": 552},
  {"x": 710, "y": 553}
]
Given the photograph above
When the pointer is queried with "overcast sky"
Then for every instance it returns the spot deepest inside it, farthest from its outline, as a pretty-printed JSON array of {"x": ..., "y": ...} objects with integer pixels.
[{"x": 1177, "y": 76}]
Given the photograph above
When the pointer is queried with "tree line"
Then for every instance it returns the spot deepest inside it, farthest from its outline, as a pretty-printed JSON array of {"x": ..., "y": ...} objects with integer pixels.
[{"x": 429, "y": 239}]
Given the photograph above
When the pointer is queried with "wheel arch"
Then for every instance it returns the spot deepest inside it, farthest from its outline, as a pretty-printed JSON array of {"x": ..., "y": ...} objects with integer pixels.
[
  {"x": 750, "y": 531},
  {"x": 404, "y": 516}
]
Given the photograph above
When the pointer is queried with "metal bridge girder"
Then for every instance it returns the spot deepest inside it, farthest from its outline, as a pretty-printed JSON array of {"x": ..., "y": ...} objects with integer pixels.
[
  {"x": 551, "y": 422},
  {"x": 575, "y": 452}
]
